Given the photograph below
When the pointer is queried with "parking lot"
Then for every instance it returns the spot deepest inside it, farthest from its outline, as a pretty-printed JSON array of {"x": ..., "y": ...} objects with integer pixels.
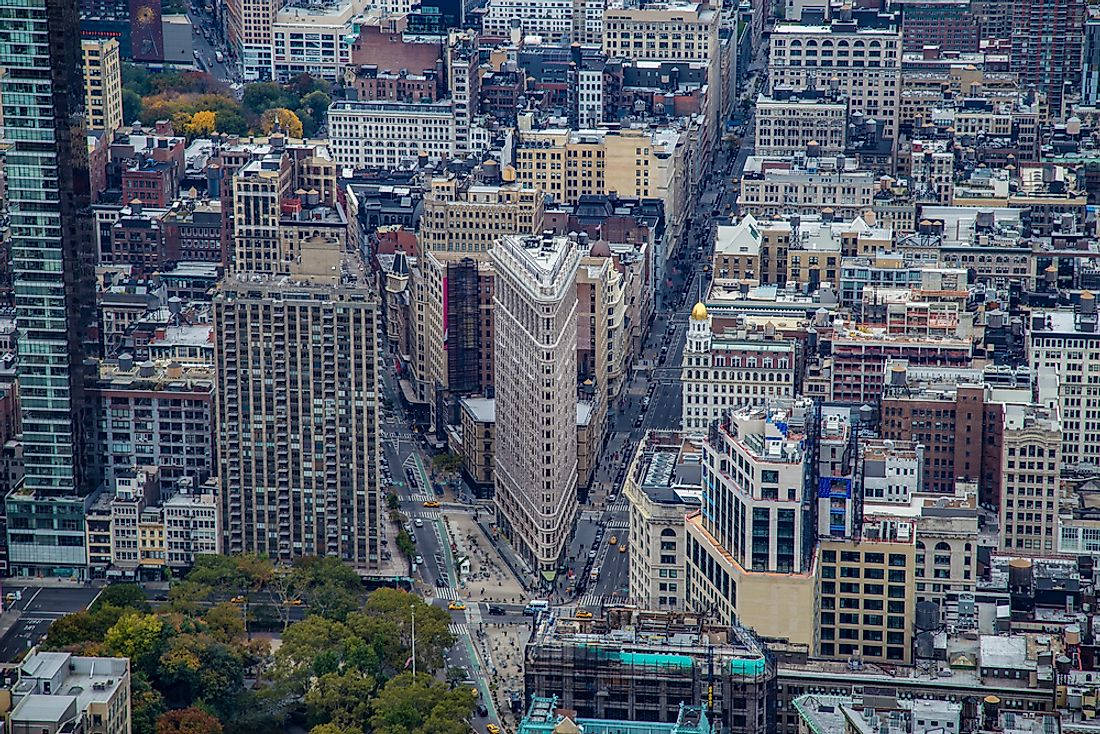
[{"x": 37, "y": 607}]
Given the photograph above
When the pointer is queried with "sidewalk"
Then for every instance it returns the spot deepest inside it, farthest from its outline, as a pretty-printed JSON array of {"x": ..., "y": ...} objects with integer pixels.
[
  {"x": 519, "y": 568},
  {"x": 489, "y": 579}
]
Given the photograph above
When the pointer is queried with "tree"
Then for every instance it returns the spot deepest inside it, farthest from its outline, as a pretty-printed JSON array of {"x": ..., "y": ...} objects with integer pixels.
[
  {"x": 131, "y": 106},
  {"x": 333, "y": 601},
  {"x": 83, "y": 626},
  {"x": 190, "y": 720},
  {"x": 136, "y": 77},
  {"x": 263, "y": 96},
  {"x": 305, "y": 642},
  {"x": 146, "y": 705},
  {"x": 405, "y": 543},
  {"x": 218, "y": 572},
  {"x": 433, "y": 637},
  {"x": 447, "y": 463},
  {"x": 331, "y": 728},
  {"x": 342, "y": 699},
  {"x": 135, "y": 636},
  {"x": 315, "y": 571},
  {"x": 202, "y": 123},
  {"x": 317, "y": 102},
  {"x": 421, "y": 705},
  {"x": 288, "y": 122},
  {"x": 124, "y": 596},
  {"x": 186, "y": 596},
  {"x": 225, "y": 622},
  {"x": 232, "y": 122}
]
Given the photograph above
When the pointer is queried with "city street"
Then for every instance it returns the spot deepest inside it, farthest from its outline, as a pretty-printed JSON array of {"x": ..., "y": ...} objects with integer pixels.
[
  {"x": 207, "y": 47},
  {"x": 487, "y": 605}
]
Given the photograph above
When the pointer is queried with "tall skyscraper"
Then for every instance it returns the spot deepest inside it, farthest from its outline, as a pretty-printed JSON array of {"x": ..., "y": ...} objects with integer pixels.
[
  {"x": 536, "y": 393},
  {"x": 42, "y": 94},
  {"x": 1047, "y": 38},
  {"x": 296, "y": 355}
]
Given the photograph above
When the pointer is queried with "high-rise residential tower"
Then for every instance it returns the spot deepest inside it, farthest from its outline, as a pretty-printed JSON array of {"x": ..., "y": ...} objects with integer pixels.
[
  {"x": 1047, "y": 39},
  {"x": 296, "y": 352},
  {"x": 536, "y": 394},
  {"x": 42, "y": 94}
]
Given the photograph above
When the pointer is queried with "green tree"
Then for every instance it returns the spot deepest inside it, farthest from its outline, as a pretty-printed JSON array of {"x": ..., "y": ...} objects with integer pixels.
[
  {"x": 135, "y": 636},
  {"x": 405, "y": 543},
  {"x": 260, "y": 97},
  {"x": 421, "y": 706},
  {"x": 124, "y": 596},
  {"x": 433, "y": 637},
  {"x": 131, "y": 106},
  {"x": 146, "y": 705},
  {"x": 317, "y": 102},
  {"x": 314, "y": 571},
  {"x": 447, "y": 463},
  {"x": 305, "y": 643},
  {"x": 232, "y": 122},
  {"x": 187, "y": 596},
  {"x": 331, "y": 728},
  {"x": 136, "y": 77},
  {"x": 342, "y": 699},
  {"x": 225, "y": 622},
  {"x": 218, "y": 572},
  {"x": 333, "y": 601},
  {"x": 190, "y": 720},
  {"x": 264, "y": 617},
  {"x": 83, "y": 626}
]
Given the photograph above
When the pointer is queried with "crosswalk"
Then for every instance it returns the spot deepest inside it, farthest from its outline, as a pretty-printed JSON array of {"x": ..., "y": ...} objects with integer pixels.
[
  {"x": 459, "y": 630},
  {"x": 620, "y": 505},
  {"x": 617, "y": 523},
  {"x": 447, "y": 593},
  {"x": 593, "y": 600}
]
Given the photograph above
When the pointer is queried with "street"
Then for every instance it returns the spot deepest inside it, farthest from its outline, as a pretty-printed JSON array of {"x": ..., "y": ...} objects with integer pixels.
[
  {"x": 30, "y": 610},
  {"x": 207, "y": 42}
]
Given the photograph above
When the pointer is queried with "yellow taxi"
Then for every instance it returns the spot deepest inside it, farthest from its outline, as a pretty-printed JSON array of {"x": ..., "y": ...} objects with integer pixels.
[
  {"x": 456, "y": 606},
  {"x": 492, "y": 728},
  {"x": 237, "y": 600},
  {"x": 584, "y": 614},
  {"x": 622, "y": 548},
  {"x": 431, "y": 503},
  {"x": 613, "y": 541}
]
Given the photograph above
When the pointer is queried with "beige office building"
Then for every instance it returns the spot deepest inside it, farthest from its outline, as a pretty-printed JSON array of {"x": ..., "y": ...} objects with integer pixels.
[
  {"x": 248, "y": 27},
  {"x": 865, "y": 58},
  {"x": 297, "y": 435},
  {"x": 463, "y": 218},
  {"x": 865, "y": 593},
  {"x": 536, "y": 394},
  {"x": 787, "y": 124},
  {"x": 662, "y": 488},
  {"x": 672, "y": 31},
  {"x": 567, "y": 164},
  {"x": 747, "y": 552},
  {"x": 1031, "y": 459},
  {"x": 102, "y": 83}
]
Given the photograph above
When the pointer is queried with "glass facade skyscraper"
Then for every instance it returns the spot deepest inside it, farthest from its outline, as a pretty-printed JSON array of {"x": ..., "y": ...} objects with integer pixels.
[{"x": 41, "y": 92}]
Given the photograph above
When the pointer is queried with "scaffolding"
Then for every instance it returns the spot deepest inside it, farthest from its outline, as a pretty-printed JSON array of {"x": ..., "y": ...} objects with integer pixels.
[{"x": 642, "y": 665}]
